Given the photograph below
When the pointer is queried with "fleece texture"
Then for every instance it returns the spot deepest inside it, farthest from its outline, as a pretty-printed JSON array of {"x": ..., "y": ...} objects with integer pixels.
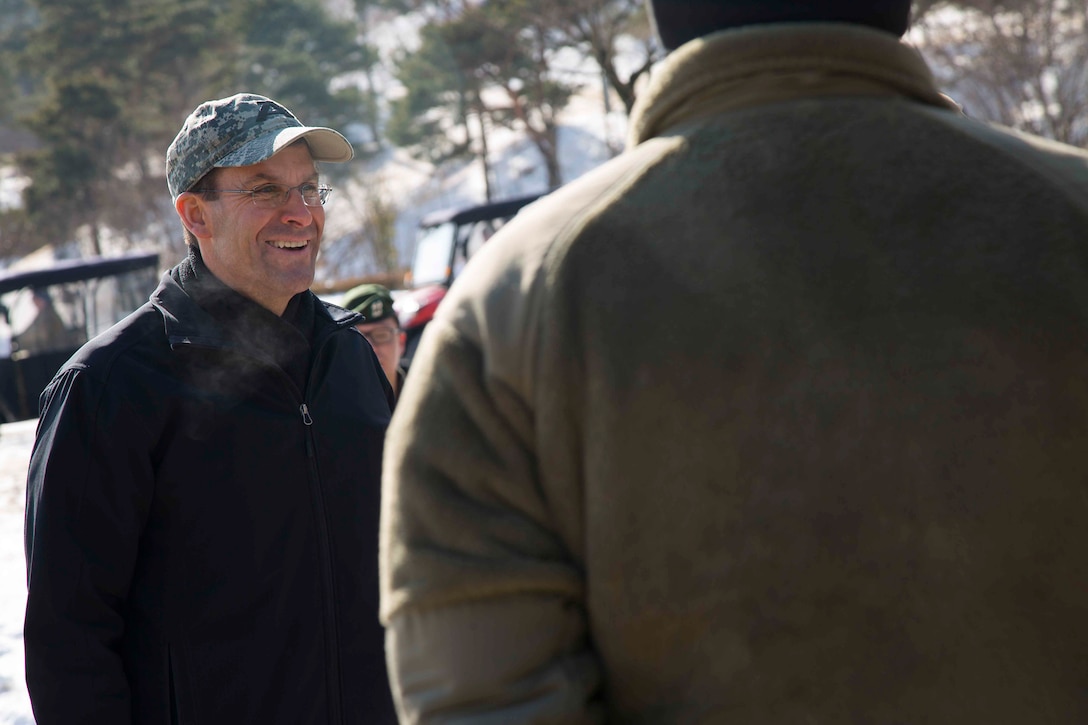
[{"x": 779, "y": 417}]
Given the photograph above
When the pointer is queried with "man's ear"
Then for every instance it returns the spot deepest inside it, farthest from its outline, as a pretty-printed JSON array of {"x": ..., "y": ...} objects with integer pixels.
[{"x": 193, "y": 214}]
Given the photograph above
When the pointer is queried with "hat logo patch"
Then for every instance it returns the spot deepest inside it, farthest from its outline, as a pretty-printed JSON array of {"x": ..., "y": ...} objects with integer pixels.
[{"x": 269, "y": 108}]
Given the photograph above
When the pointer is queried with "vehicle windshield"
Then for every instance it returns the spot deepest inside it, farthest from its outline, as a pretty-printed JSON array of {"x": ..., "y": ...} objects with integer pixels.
[
  {"x": 434, "y": 250},
  {"x": 47, "y": 316},
  {"x": 64, "y": 316}
]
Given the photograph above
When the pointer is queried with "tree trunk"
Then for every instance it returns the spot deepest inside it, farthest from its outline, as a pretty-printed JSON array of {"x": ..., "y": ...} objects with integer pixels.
[{"x": 485, "y": 154}]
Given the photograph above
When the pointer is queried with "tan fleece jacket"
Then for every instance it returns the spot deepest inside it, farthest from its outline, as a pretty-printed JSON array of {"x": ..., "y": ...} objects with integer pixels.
[{"x": 780, "y": 417}]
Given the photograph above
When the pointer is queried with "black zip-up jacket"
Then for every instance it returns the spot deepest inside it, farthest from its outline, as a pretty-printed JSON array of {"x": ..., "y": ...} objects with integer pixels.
[{"x": 201, "y": 533}]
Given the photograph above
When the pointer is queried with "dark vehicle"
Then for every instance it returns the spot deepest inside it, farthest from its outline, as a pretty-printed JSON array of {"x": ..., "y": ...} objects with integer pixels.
[
  {"x": 447, "y": 239},
  {"x": 46, "y": 314}
]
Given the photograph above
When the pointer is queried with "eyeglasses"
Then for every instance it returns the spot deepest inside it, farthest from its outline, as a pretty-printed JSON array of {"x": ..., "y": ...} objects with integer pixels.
[
  {"x": 272, "y": 196},
  {"x": 381, "y": 335}
]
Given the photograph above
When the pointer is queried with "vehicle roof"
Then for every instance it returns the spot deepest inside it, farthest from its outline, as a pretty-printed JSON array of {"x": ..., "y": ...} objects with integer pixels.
[
  {"x": 75, "y": 270},
  {"x": 466, "y": 215}
]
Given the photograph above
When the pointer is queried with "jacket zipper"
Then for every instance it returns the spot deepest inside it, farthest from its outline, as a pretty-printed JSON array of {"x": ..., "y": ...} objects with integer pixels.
[{"x": 334, "y": 687}]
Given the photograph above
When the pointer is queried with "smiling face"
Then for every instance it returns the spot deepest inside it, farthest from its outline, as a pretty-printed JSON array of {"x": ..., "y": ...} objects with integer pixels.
[{"x": 267, "y": 255}]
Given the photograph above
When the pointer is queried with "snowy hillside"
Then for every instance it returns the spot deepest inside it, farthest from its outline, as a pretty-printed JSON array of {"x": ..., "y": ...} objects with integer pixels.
[
  {"x": 590, "y": 133},
  {"x": 587, "y": 138}
]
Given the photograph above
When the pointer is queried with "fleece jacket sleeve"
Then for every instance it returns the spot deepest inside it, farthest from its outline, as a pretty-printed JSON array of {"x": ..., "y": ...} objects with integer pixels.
[{"x": 484, "y": 607}]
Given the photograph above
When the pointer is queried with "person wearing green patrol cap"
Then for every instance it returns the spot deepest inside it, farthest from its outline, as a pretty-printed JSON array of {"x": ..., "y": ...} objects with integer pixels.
[
  {"x": 203, "y": 502},
  {"x": 381, "y": 327}
]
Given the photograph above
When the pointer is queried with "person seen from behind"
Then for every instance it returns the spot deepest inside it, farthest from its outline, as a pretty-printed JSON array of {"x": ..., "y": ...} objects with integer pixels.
[
  {"x": 778, "y": 417},
  {"x": 202, "y": 501}
]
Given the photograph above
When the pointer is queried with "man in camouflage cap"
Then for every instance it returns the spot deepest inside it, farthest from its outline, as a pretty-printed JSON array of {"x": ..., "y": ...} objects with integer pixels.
[
  {"x": 381, "y": 327},
  {"x": 203, "y": 500}
]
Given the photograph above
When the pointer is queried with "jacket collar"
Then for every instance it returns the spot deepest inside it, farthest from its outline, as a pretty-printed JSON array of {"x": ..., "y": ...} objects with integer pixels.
[
  {"x": 188, "y": 322},
  {"x": 763, "y": 64}
]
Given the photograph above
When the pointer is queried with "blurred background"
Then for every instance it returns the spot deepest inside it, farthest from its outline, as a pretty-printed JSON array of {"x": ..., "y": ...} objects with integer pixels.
[
  {"x": 448, "y": 103},
  {"x": 460, "y": 113}
]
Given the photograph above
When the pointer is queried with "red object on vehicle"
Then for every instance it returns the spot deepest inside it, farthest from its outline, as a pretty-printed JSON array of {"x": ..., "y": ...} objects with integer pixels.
[{"x": 416, "y": 307}]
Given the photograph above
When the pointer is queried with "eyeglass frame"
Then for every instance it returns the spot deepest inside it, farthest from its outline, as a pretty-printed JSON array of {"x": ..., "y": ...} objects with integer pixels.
[
  {"x": 321, "y": 190},
  {"x": 393, "y": 332}
]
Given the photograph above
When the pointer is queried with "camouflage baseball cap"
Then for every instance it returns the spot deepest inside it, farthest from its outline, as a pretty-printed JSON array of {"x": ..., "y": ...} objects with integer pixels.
[
  {"x": 373, "y": 301},
  {"x": 241, "y": 130}
]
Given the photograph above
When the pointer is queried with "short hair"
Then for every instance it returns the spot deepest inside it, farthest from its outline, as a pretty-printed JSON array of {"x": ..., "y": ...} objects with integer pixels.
[{"x": 207, "y": 181}]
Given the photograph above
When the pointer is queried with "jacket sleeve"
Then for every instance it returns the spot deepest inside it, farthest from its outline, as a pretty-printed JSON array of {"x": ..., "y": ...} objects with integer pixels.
[
  {"x": 87, "y": 491},
  {"x": 484, "y": 605}
]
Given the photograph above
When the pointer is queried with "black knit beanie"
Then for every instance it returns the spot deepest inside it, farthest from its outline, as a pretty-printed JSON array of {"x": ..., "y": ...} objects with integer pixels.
[{"x": 679, "y": 21}]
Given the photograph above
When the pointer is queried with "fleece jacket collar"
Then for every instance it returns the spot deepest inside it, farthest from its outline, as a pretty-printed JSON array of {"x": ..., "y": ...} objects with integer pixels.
[{"x": 762, "y": 64}]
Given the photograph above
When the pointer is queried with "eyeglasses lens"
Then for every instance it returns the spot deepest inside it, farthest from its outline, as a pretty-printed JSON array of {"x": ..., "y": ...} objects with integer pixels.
[
  {"x": 381, "y": 336},
  {"x": 271, "y": 196}
]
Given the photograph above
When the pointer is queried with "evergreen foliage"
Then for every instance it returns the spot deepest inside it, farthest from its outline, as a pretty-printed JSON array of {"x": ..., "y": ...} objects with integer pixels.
[
  {"x": 494, "y": 61},
  {"x": 17, "y": 17},
  {"x": 113, "y": 80}
]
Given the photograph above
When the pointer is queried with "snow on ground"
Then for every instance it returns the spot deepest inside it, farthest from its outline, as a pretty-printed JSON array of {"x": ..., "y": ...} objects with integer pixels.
[
  {"x": 15, "y": 442},
  {"x": 11, "y": 188}
]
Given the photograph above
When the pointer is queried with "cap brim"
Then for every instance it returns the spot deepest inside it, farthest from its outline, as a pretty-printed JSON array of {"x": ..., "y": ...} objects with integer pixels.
[{"x": 325, "y": 145}]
